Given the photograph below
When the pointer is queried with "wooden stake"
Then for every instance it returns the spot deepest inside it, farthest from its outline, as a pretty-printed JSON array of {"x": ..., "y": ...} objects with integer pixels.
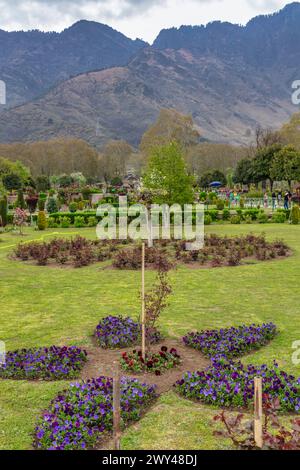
[
  {"x": 143, "y": 304},
  {"x": 117, "y": 405},
  {"x": 258, "y": 412}
]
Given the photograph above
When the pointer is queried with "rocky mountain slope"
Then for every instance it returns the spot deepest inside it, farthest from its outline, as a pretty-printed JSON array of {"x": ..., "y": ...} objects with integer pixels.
[{"x": 32, "y": 62}]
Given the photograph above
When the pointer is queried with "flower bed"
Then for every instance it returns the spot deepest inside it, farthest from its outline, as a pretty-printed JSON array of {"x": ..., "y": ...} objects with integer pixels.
[
  {"x": 231, "y": 384},
  {"x": 78, "y": 416},
  {"x": 231, "y": 251},
  {"x": 76, "y": 252},
  {"x": 156, "y": 363},
  {"x": 231, "y": 342},
  {"x": 54, "y": 363},
  {"x": 217, "y": 252},
  {"x": 118, "y": 332}
]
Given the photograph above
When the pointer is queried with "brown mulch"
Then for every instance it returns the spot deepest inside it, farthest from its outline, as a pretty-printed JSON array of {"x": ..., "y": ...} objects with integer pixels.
[{"x": 101, "y": 363}]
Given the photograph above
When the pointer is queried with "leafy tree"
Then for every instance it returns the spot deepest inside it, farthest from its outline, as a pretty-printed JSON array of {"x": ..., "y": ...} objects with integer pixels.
[
  {"x": 78, "y": 178},
  {"x": 244, "y": 171},
  {"x": 290, "y": 131},
  {"x": 12, "y": 181},
  {"x": 286, "y": 165},
  {"x": 262, "y": 164},
  {"x": 167, "y": 177},
  {"x": 8, "y": 167},
  {"x": 42, "y": 183},
  {"x": 64, "y": 181},
  {"x": 21, "y": 201},
  {"x": 211, "y": 176}
]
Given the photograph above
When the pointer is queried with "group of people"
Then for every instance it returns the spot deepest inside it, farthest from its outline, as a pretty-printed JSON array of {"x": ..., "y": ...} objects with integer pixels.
[
  {"x": 234, "y": 198},
  {"x": 278, "y": 198}
]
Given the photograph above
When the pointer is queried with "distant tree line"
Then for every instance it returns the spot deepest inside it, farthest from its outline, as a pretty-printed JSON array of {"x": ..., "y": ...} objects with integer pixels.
[{"x": 272, "y": 156}]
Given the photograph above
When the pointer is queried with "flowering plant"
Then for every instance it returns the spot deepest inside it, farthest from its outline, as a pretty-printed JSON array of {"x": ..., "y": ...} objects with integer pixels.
[
  {"x": 118, "y": 332},
  {"x": 228, "y": 384},
  {"x": 78, "y": 416},
  {"x": 20, "y": 217},
  {"x": 231, "y": 342},
  {"x": 54, "y": 363},
  {"x": 153, "y": 362}
]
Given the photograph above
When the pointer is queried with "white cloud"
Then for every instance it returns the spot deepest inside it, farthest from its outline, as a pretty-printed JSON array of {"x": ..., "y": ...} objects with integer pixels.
[{"x": 135, "y": 18}]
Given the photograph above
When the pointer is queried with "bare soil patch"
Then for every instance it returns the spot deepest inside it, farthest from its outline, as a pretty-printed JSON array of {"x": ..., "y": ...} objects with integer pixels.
[{"x": 101, "y": 363}]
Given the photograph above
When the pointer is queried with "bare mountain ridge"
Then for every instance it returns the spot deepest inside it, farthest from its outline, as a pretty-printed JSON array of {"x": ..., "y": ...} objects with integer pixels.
[
  {"x": 229, "y": 78},
  {"x": 32, "y": 62}
]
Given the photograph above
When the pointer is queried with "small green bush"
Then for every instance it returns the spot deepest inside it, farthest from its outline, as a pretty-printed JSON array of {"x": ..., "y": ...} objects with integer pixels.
[
  {"x": 92, "y": 222},
  {"x": 79, "y": 222},
  {"x": 41, "y": 204},
  {"x": 226, "y": 214},
  {"x": 65, "y": 222},
  {"x": 42, "y": 220},
  {"x": 73, "y": 207},
  {"x": 52, "y": 223},
  {"x": 295, "y": 215},
  {"x": 207, "y": 220},
  {"x": 279, "y": 218},
  {"x": 262, "y": 218},
  {"x": 213, "y": 214},
  {"x": 220, "y": 205},
  {"x": 235, "y": 219}
]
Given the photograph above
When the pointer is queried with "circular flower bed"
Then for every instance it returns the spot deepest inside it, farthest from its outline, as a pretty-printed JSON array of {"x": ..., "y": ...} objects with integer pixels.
[
  {"x": 217, "y": 252},
  {"x": 79, "y": 415},
  {"x": 231, "y": 384},
  {"x": 118, "y": 332},
  {"x": 231, "y": 342},
  {"x": 54, "y": 363},
  {"x": 156, "y": 363}
]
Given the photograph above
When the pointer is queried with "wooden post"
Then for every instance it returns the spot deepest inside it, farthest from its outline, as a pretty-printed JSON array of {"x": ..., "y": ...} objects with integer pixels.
[
  {"x": 143, "y": 304},
  {"x": 258, "y": 412},
  {"x": 116, "y": 405}
]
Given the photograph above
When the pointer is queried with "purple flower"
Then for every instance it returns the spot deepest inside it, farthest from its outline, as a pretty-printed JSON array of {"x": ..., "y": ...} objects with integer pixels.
[{"x": 77, "y": 417}]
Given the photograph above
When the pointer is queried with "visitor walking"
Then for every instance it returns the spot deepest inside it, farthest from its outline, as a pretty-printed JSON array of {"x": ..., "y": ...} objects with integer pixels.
[
  {"x": 286, "y": 201},
  {"x": 274, "y": 201},
  {"x": 279, "y": 198}
]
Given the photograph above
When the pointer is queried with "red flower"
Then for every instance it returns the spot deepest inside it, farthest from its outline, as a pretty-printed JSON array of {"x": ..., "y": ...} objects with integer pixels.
[{"x": 164, "y": 349}]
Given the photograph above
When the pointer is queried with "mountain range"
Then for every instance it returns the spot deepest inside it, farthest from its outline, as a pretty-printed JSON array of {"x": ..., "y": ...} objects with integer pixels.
[{"x": 92, "y": 82}]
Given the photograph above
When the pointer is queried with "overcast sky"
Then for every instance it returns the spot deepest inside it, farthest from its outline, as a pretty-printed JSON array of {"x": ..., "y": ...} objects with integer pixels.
[{"x": 135, "y": 18}]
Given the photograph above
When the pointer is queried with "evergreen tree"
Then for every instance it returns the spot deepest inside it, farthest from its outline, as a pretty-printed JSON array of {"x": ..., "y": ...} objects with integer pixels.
[{"x": 52, "y": 205}]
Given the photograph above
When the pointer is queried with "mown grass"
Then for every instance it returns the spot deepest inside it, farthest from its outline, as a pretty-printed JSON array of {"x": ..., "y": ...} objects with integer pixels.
[{"x": 41, "y": 306}]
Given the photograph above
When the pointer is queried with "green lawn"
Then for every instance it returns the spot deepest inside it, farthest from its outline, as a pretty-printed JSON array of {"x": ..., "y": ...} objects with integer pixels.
[{"x": 41, "y": 306}]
